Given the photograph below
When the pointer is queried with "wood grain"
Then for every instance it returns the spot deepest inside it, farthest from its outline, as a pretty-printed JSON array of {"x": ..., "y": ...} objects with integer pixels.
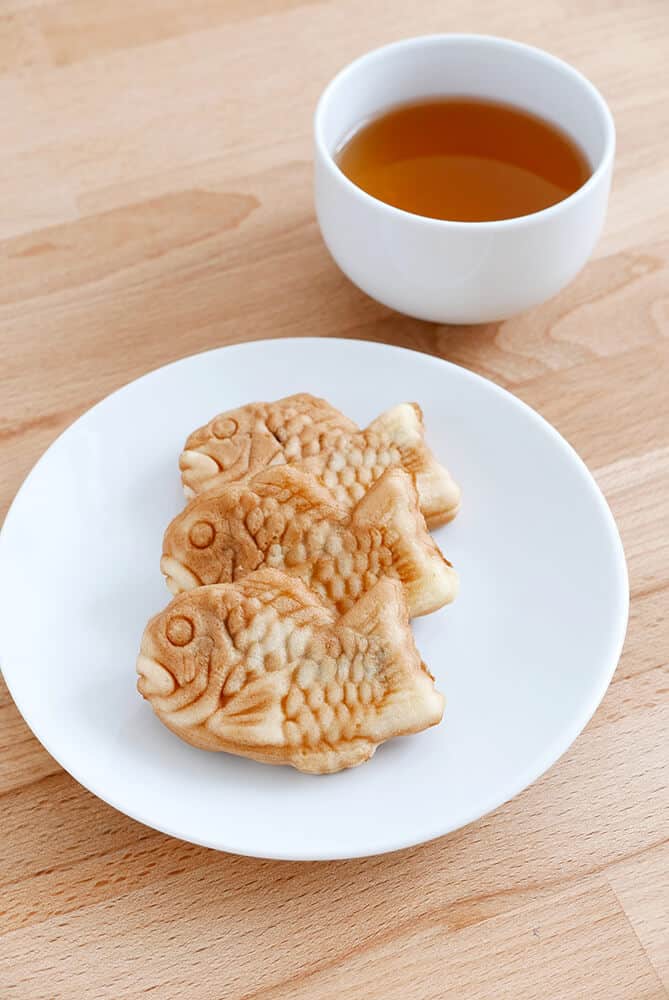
[{"x": 156, "y": 191}]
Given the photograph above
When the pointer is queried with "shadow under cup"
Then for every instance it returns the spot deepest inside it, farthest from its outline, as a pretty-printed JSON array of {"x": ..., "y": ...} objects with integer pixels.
[{"x": 460, "y": 272}]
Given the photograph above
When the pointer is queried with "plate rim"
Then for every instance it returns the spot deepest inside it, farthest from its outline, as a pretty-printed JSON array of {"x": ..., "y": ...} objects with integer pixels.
[{"x": 528, "y": 777}]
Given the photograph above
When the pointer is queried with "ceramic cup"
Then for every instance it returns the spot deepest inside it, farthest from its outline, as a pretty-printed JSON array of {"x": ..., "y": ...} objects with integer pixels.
[{"x": 460, "y": 272}]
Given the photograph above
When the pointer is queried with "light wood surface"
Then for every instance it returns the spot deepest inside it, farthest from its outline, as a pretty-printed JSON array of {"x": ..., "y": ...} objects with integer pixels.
[{"x": 156, "y": 201}]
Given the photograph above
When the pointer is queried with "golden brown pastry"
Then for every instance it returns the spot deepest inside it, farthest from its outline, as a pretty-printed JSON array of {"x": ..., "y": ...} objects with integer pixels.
[
  {"x": 309, "y": 432},
  {"x": 262, "y": 668},
  {"x": 285, "y": 519}
]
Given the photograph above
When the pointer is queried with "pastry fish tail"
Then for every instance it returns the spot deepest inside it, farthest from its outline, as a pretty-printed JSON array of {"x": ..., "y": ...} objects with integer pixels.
[
  {"x": 391, "y": 505},
  {"x": 439, "y": 495},
  {"x": 411, "y": 702}
]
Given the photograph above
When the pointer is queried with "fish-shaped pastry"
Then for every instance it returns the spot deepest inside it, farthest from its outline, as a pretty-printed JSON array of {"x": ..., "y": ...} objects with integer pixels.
[
  {"x": 305, "y": 431},
  {"x": 263, "y": 668},
  {"x": 285, "y": 519}
]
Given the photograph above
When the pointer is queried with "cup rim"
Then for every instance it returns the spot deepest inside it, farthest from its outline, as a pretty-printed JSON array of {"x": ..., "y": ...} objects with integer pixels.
[{"x": 419, "y": 41}]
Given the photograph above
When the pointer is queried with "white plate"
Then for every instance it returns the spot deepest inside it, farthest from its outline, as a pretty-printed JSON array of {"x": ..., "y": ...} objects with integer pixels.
[{"x": 523, "y": 656}]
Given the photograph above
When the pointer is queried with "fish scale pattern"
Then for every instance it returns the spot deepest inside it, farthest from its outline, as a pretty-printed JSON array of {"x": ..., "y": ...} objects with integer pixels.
[
  {"x": 333, "y": 684},
  {"x": 351, "y": 467},
  {"x": 306, "y": 426},
  {"x": 336, "y": 562},
  {"x": 347, "y": 463},
  {"x": 329, "y": 705}
]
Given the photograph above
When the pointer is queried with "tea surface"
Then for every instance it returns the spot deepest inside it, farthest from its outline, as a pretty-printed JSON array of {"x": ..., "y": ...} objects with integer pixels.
[{"x": 463, "y": 159}]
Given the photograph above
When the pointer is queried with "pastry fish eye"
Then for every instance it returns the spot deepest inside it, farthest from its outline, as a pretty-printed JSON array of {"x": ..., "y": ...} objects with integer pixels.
[
  {"x": 180, "y": 630},
  {"x": 224, "y": 427},
  {"x": 202, "y": 534}
]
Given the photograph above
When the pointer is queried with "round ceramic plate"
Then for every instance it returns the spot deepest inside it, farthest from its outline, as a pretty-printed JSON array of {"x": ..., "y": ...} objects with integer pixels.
[{"x": 523, "y": 656}]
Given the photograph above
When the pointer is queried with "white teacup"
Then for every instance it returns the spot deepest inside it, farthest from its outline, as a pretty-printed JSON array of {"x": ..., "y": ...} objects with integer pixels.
[{"x": 460, "y": 272}]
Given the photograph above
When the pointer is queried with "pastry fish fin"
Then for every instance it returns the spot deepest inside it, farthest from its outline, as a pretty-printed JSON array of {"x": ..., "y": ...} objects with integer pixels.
[
  {"x": 287, "y": 482},
  {"x": 439, "y": 494},
  {"x": 254, "y": 716},
  {"x": 288, "y": 596},
  {"x": 391, "y": 504},
  {"x": 381, "y": 612}
]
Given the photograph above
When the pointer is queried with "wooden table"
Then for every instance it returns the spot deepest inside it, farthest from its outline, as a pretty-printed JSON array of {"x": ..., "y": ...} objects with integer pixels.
[{"x": 156, "y": 201}]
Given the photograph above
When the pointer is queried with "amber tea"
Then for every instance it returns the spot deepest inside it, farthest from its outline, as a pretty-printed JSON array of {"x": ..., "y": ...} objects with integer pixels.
[{"x": 463, "y": 159}]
